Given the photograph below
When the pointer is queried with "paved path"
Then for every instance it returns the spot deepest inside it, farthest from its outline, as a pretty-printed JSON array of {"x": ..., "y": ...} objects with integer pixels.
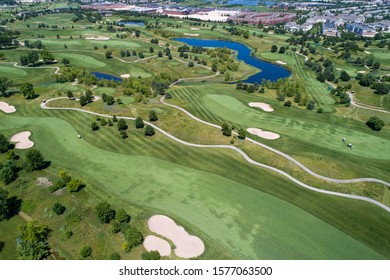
[
  {"x": 57, "y": 69},
  {"x": 244, "y": 155}
]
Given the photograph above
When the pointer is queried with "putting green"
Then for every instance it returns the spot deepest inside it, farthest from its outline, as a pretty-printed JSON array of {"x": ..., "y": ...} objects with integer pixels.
[
  {"x": 322, "y": 134},
  {"x": 248, "y": 223},
  {"x": 11, "y": 71}
]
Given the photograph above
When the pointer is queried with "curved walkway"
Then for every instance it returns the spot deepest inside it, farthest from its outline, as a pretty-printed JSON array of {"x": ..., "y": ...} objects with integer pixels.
[
  {"x": 57, "y": 69},
  {"x": 244, "y": 155}
]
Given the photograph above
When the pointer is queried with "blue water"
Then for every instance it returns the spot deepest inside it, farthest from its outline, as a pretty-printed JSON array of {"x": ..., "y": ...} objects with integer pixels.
[
  {"x": 269, "y": 71},
  {"x": 100, "y": 75},
  {"x": 137, "y": 23}
]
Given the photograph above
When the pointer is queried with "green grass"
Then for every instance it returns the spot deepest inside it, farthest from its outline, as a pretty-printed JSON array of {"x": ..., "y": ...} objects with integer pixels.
[
  {"x": 8, "y": 234},
  {"x": 187, "y": 182}
]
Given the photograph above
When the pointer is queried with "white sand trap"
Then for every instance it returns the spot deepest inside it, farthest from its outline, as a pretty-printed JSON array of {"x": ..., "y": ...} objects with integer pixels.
[
  {"x": 154, "y": 243},
  {"x": 187, "y": 246},
  {"x": 22, "y": 141},
  {"x": 97, "y": 38},
  {"x": 367, "y": 52},
  {"x": 339, "y": 69},
  {"x": 125, "y": 76},
  {"x": 263, "y": 134},
  {"x": 281, "y": 62},
  {"x": 189, "y": 34},
  {"x": 7, "y": 108},
  {"x": 361, "y": 72},
  {"x": 194, "y": 28},
  {"x": 264, "y": 106}
]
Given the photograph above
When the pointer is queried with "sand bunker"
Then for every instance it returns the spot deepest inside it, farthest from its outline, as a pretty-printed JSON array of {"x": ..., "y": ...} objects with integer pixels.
[
  {"x": 264, "y": 106},
  {"x": 189, "y": 34},
  {"x": 125, "y": 76},
  {"x": 97, "y": 38},
  {"x": 187, "y": 246},
  {"x": 263, "y": 134},
  {"x": 154, "y": 243},
  {"x": 194, "y": 28},
  {"x": 22, "y": 141},
  {"x": 281, "y": 62},
  {"x": 6, "y": 108},
  {"x": 367, "y": 52},
  {"x": 361, "y": 72}
]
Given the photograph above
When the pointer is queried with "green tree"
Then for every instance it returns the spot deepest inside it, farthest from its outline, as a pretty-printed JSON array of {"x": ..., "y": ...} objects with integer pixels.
[
  {"x": 8, "y": 172},
  {"x": 94, "y": 126},
  {"x": 5, "y": 145},
  {"x": 27, "y": 89},
  {"x": 122, "y": 217},
  {"x": 85, "y": 252},
  {"x": 153, "y": 116},
  {"x": 83, "y": 100},
  {"x": 114, "y": 119},
  {"x": 32, "y": 244},
  {"x": 69, "y": 94},
  {"x": 104, "y": 212},
  {"x": 133, "y": 236},
  {"x": 375, "y": 123},
  {"x": 152, "y": 255},
  {"x": 274, "y": 48},
  {"x": 88, "y": 96},
  {"x": 122, "y": 125},
  {"x": 139, "y": 123},
  {"x": 4, "y": 210},
  {"x": 311, "y": 105},
  {"x": 226, "y": 129},
  {"x": 344, "y": 76},
  {"x": 32, "y": 57},
  {"x": 74, "y": 185},
  {"x": 123, "y": 134},
  {"x": 381, "y": 88},
  {"x": 108, "y": 54},
  {"x": 58, "y": 208},
  {"x": 149, "y": 130},
  {"x": 34, "y": 160},
  {"x": 4, "y": 85},
  {"x": 47, "y": 56},
  {"x": 241, "y": 134},
  {"x": 115, "y": 256}
]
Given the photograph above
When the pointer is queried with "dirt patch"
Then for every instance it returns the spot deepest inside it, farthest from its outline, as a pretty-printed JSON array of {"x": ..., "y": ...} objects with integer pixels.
[
  {"x": 154, "y": 243},
  {"x": 264, "y": 106},
  {"x": 44, "y": 182},
  {"x": 6, "y": 108},
  {"x": 263, "y": 134},
  {"x": 22, "y": 141},
  {"x": 187, "y": 246},
  {"x": 281, "y": 62}
]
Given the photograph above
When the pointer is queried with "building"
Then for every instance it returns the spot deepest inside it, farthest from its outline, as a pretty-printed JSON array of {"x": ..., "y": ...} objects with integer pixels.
[
  {"x": 267, "y": 18},
  {"x": 361, "y": 29},
  {"x": 294, "y": 27},
  {"x": 329, "y": 29}
]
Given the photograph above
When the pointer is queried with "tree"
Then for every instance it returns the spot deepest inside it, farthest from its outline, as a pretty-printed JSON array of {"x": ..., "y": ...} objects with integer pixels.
[
  {"x": 152, "y": 255},
  {"x": 190, "y": 64},
  {"x": 47, "y": 56},
  {"x": 133, "y": 236},
  {"x": 149, "y": 130},
  {"x": 5, "y": 145},
  {"x": 114, "y": 119},
  {"x": 122, "y": 216},
  {"x": 115, "y": 256},
  {"x": 375, "y": 123},
  {"x": 274, "y": 48},
  {"x": 344, "y": 76},
  {"x": 153, "y": 116},
  {"x": 139, "y": 123},
  {"x": 4, "y": 85},
  {"x": 287, "y": 103},
  {"x": 83, "y": 100},
  {"x": 282, "y": 49},
  {"x": 108, "y": 54},
  {"x": 27, "y": 89},
  {"x": 4, "y": 210},
  {"x": 94, "y": 126},
  {"x": 32, "y": 57},
  {"x": 311, "y": 105},
  {"x": 88, "y": 96},
  {"x": 381, "y": 88},
  {"x": 85, "y": 252},
  {"x": 168, "y": 95},
  {"x": 123, "y": 134},
  {"x": 32, "y": 242},
  {"x": 226, "y": 129},
  {"x": 74, "y": 185},
  {"x": 70, "y": 94},
  {"x": 122, "y": 125},
  {"x": 34, "y": 160},
  {"x": 151, "y": 49},
  {"x": 58, "y": 208},
  {"x": 8, "y": 172},
  {"x": 104, "y": 212},
  {"x": 241, "y": 134}
]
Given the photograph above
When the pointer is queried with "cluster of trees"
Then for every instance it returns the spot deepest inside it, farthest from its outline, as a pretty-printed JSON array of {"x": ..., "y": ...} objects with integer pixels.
[
  {"x": 235, "y": 31},
  {"x": 69, "y": 74},
  {"x": 375, "y": 123},
  {"x": 32, "y": 242},
  {"x": 250, "y": 88},
  {"x": 66, "y": 181},
  {"x": 369, "y": 80},
  {"x": 8, "y": 38},
  {"x": 108, "y": 99},
  {"x": 275, "y": 49},
  {"x": 5, "y": 84},
  {"x": 86, "y": 97},
  {"x": 120, "y": 224},
  {"x": 30, "y": 58},
  {"x": 340, "y": 93}
]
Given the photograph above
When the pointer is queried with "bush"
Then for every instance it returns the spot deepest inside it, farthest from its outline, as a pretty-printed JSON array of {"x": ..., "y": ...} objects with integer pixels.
[
  {"x": 149, "y": 131},
  {"x": 115, "y": 256},
  {"x": 287, "y": 103},
  {"x": 122, "y": 125},
  {"x": 5, "y": 145},
  {"x": 122, "y": 216},
  {"x": 152, "y": 255},
  {"x": 58, "y": 208},
  {"x": 375, "y": 123},
  {"x": 34, "y": 160},
  {"x": 74, "y": 185},
  {"x": 241, "y": 134},
  {"x": 139, "y": 123},
  {"x": 153, "y": 116},
  {"x": 104, "y": 212},
  {"x": 86, "y": 251},
  {"x": 68, "y": 233},
  {"x": 226, "y": 129},
  {"x": 133, "y": 236},
  {"x": 168, "y": 96}
]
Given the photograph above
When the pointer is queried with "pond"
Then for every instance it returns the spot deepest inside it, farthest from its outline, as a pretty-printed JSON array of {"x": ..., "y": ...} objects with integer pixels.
[
  {"x": 268, "y": 71},
  {"x": 105, "y": 76},
  {"x": 137, "y": 23}
]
